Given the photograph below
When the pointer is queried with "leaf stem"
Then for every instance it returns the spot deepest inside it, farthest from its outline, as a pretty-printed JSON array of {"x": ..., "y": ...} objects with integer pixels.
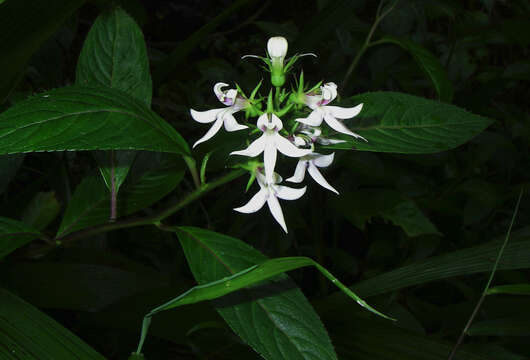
[
  {"x": 485, "y": 291},
  {"x": 192, "y": 166},
  {"x": 367, "y": 43}
]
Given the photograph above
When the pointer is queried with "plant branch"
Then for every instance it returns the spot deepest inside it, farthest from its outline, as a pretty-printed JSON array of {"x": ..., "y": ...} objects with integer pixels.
[
  {"x": 367, "y": 44},
  {"x": 485, "y": 291}
]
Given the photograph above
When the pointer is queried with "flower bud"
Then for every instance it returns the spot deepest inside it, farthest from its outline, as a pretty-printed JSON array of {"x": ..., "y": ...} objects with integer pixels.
[{"x": 277, "y": 48}]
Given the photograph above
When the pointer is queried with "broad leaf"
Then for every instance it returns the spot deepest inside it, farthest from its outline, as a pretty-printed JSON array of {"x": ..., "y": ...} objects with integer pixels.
[
  {"x": 274, "y": 318},
  {"x": 402, "y": 123},
  {"x": 115, "y": 55},
  {"x": 79, "y": 118},
  {"x": 90, "y": 204},
  {"x": 29, "y": 334},
  {"x": 428, "y": 63},
  {"x": 407, "y": 215},
  {"x": 41, "y": 210},
  {"x": 14, "y": 234},
  {"x": 25, "y": 26}
]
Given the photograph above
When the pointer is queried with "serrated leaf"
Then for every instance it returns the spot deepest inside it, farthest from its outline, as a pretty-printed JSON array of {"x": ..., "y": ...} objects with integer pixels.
[
  {"x": 80, "y": 118},
  {"x": 25, "y": 26},
  {"x": 115, "y": 55},
  {"x": 428, "y": 63},
  {"x": 514, "y": 289},
  {"x": 14, "y": 234},
  {"x": 402, "y": 123},
  {"x": 280, "y": 323},
  {"x": 90, "y": 204},
  {"x": 32, "y": 335}
]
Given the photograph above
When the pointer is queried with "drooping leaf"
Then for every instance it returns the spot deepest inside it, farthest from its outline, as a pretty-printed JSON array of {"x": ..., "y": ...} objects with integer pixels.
[
  {"x": 428, "y": 63},
  {"x": 25, "y": 26},
  {"x": 402, "y": 123},
  {"x": 29, "y": 334},
  {"x": 275, "y": 318},
  {"x": 115, "y": 55},
  {"x": 515, "y": 289},
  {"x": 79, "y": 118},
  {"x": 90, "y": 204},
  {"x": 14, "y": 234}
]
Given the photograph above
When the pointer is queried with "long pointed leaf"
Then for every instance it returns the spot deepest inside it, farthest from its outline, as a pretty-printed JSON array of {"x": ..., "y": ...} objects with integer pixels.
[{"x": 14, "y": 234}]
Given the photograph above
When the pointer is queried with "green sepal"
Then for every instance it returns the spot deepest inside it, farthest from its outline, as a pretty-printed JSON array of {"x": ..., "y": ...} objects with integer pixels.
[
  {"x": 254, "y": 92},
  {"x": 240, "y": 91},
  {"x": 203, "y": 167},
  {"x": 250, "y": 181},
  {"x": 270, "y": 103},
  {"x": 284, "y": 111}
]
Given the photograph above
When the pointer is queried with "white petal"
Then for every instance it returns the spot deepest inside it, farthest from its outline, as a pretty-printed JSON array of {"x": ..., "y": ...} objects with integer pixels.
[
  {"x": 344, "y": 113},
  {"x": 339, "y": 127},
  {"x": 325, "y": 141},
  {"x": 276, "y": 122},
  {"x": 255, "y": 203},
  {"x": 217, "y": 89},
  {"x": 288, "y": 193},
  {"x": 205, "y": 117},
  {"x": 314, "y": 119},
  {"x": 213, "y": 130},
  {"x": 317, "y": 176},
  {"x": 288, "y": 148},
  {"x": 299, "y": 172},
  {"x": 254, "y": 149},
  {"x": 323, "y": 160},
  {"x": 231, "y": 123},
  {"x": 276, "y": 211},
  {"x": 277, "y": 46},
  {"x": 329, "y": 91},
  {"x": 269, "y": 159}
]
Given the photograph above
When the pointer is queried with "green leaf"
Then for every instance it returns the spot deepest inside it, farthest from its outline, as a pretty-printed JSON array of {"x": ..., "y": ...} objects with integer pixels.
[
  {"x": 14, "y": 234},
  {"x": 115, "y": 55},
  {"x": 25, "y": 26},
  {"x": 463, "y": 262},
  {"x": 90, "y": 204},
  {"x": 515, "y": 289},
  {"x": 32, "y": 335},
  {"x": 409, "y": 217},
  {"x": 402, "y": 123},
  {"x": 428, "y": 63},
  {"x": 79, "y": 118},
  {"x": 274, "y": 318},
  {"x": 41, "y": 210},
  {"x": 511, "y": 326}
]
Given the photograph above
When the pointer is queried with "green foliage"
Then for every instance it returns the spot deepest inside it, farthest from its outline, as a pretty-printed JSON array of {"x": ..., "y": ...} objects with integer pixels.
[{"x": 14, "y": 234}]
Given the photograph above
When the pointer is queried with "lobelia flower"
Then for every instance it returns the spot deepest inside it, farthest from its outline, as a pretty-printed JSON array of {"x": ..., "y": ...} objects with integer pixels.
[
  {"x": 269, "y": 193},
  {"x": 312, "y": 162},
  {"x": 221, "y": 116},
  {"x": 330, "y": 114},
  {"x": 269, "y": 142},
  {"x": 313, "y": 136}
]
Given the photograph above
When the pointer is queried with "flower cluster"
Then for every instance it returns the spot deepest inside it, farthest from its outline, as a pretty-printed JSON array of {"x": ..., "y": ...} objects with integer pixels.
[{"x": 298, "y": 138}]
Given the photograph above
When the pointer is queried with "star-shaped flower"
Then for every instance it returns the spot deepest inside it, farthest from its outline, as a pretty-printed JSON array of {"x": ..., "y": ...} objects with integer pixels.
[
  {"x": 269, "y": 193},
  {"x": 330, "y": 114},
  {"x": 269, "y": 142},
  {"x": 312, "y": 162},
  {"x": 223, "y": 115}
]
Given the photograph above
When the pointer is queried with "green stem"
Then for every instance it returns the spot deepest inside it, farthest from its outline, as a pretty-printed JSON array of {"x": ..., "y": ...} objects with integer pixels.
[
  {"x": 192, "y": 166},
  {"x": 367, "y": 43},
  {"x": 485, "y": 291},
  {"x": 154, "y": 219}
]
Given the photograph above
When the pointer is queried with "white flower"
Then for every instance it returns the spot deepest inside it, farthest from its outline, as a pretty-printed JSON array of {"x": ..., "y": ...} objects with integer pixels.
[
  {"x": 277, "y": 49},
  {"x": 223, "y": 115},
  {"x": 330, "y": 114},
  {"x": 314, "y": 135},
  {"x": 269, "y": 142},
  {"x": 270, "y": 192},
  {"x": 312, "y": 162}
]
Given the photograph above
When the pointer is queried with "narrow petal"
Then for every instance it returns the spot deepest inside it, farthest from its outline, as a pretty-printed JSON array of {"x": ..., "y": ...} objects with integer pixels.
[
  {"x": 344, "y": 113},
  {"x": 205, "y": 117},
  {"x": 276, "y": 211},
  {"x": 339, "y": 127},
  {"x": 256, "y": 203},
  {"x": 231, "y": 123},
  {"x": 299, "y": 172},
  {"x": 314, "y": 119},
  {"x": 317, "y": 176},
  {"x": 213, "y": 130},
  {"x": 324, "y": 160},
  {"x": 269, "y": 159},
  {"x": 254, "y": 149},
  {"x": 288, "y": 148},
  {"x": 288, "y": 193}
]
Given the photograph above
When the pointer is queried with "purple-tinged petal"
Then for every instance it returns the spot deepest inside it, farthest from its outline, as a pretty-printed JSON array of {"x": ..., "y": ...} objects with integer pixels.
[{"x": 317, "y": 176}]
